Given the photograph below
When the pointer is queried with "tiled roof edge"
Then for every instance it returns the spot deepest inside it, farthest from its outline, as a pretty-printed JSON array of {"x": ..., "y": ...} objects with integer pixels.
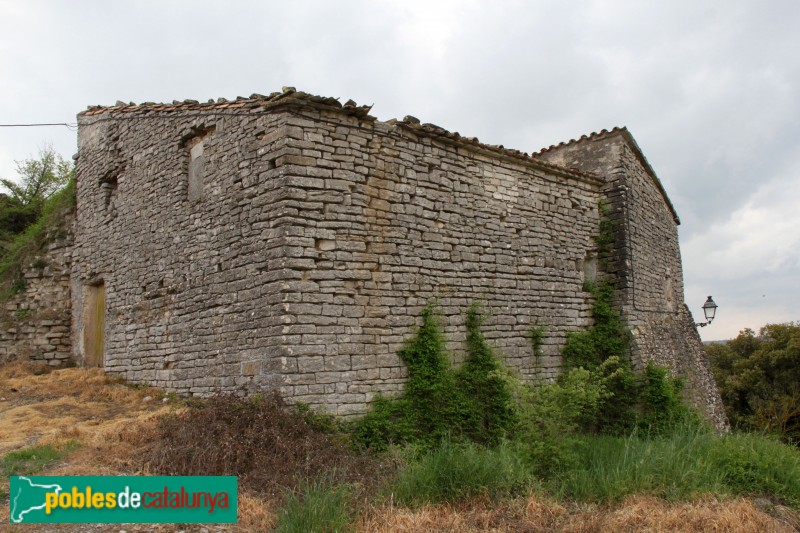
[
  {"x": 289, "y": 96},
  {"x": 626, "y": 135}
]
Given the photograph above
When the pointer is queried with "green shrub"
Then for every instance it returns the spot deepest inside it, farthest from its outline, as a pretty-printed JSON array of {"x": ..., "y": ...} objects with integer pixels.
[
  {"x": 428, "y": 409},
  {"x": 24, "y": 246},
  {"x": 606, "y": 338},
  {"x": 319, "y": 506},
  {"x": 386, "y": 424},
  {"x": 759, "y": 379},
  {"x": 546, "y": 419},
  {"x": 618, "y": 413},
  {"x": 753, "y": 464},
  {"x": 551, "y": 412},
  {"x": 15, "y": 218},
  {"x": 455, "y": 471},
  {"x": 432, "y": 401},
  {"x": 662, "y": 405},
  {"x": 438, "y": 403}
]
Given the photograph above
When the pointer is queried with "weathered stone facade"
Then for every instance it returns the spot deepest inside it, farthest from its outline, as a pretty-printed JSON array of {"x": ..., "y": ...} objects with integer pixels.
[
  {"x": 290, "y": 242},
  {"x": 648, "y": 265}
]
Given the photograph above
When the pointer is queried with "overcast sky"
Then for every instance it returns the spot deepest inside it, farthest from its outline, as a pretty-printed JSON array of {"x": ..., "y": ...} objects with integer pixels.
[{"x": 709, "y": 89}]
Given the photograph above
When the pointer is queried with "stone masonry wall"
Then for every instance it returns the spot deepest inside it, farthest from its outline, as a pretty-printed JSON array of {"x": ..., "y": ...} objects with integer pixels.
[
  {"x": 290, "y": 242},
  {"x": 193, "y": 287},
  {"x": 394, "y": 217},
  {"x": 648, "y": 263},
  {"x": 663, "y": 328},
  {"x": 316, "y": 238},
  {"x": 36, "y": 320}
]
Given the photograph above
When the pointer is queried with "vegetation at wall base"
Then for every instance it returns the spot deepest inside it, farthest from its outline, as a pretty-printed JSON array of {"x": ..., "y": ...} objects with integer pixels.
[
  {"x": 457, "y": 471},
  {"x": 606, "y": 338},
  {"x": 600, "y": 432},
  {"x": 268, "y": 444},
  {"x": 688, "y": 463},
  {"x": 439, "y": 403},
  {"x": 484, "y": 384},
  {"x": 685, "y": 463}
]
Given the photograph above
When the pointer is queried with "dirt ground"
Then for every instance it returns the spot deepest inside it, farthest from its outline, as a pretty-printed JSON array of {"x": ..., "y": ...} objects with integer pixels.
[{"x": 111, "y": 419}]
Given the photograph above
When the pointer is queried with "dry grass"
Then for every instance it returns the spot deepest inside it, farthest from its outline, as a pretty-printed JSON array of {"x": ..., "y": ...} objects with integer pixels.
[
  {"x": 110, "y": 420},
  {"x": 114, "y": 424},
  {"x": 40, "y": 406},
  {"x": 255, "y": 513},
  {"x": 537, "y": 514}
]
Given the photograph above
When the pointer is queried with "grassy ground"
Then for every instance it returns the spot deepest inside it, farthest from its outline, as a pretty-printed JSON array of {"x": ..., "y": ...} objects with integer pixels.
[{"x": 81, "y": 422}]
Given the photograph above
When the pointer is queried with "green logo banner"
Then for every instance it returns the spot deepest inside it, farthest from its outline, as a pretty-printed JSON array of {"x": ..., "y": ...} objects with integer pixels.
[{"x": 123, "y": 499}]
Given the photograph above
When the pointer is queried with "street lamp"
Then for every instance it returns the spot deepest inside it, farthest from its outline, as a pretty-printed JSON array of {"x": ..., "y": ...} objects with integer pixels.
[{"x": 709, "y": 309}]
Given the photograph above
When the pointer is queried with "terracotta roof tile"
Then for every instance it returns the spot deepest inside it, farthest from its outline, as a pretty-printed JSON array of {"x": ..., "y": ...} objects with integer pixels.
[{"x": 592, "y": 136}]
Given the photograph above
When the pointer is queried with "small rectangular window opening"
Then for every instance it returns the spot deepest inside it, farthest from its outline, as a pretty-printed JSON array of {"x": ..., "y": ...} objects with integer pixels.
[
  {"x": 110, "y": 184},
  {"x": 196, "y": 146}
]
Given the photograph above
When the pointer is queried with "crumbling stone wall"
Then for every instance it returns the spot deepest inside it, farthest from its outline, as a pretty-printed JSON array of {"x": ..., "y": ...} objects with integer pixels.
[{"x": 36, "y": 320}]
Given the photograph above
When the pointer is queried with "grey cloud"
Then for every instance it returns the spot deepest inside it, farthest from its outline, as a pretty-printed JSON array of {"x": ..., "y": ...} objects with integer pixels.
[{"x": 710, "y": 90}]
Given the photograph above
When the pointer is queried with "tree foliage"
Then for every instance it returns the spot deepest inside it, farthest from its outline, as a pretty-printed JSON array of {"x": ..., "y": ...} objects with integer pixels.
[
  {"x": 39, "y": 178},
  {"x": 25, "y": 199},
  {"x": 759, "y": 379}
]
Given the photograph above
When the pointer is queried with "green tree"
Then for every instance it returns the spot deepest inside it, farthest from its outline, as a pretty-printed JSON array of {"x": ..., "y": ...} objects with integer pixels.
[
  {"x": 24, "y": 203},
  {"x": 39, "y": 178},
  {"x": 759, "y": 379}
]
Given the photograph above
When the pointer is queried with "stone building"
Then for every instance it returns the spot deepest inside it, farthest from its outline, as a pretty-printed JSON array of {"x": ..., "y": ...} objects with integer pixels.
[{"x": 290, "y": 242}]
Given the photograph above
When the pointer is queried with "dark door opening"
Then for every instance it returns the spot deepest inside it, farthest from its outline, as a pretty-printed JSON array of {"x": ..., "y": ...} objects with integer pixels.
[{"x": 94, "y": 324}]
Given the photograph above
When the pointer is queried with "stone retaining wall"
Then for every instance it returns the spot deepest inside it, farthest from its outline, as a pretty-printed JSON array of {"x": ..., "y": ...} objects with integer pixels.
[{"x": 36, "y": 320}]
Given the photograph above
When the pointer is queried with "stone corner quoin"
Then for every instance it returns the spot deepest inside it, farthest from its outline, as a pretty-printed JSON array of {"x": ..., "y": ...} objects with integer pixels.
[{"x": 289, "y": 242}]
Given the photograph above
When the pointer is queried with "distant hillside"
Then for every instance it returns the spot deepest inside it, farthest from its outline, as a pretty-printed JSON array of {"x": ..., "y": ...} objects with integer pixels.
[{"x": 708, "y": 343}]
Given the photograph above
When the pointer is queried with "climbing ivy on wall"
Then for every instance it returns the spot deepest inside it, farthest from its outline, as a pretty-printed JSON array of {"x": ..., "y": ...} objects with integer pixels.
[
  {"x": 605, "y": 237},
  {"x": 473, "y": 403},
  {"x": 598, "y": 391},
  {"x": 482, "y": 379},
  {"x": 608, "y": 337},
  {"x": 650, "y": 399},
  {"x": 537, "y": 334}
]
